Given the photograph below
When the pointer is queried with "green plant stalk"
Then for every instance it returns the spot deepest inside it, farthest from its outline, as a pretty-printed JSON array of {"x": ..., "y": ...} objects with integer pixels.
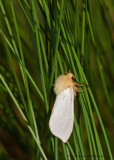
[
  {"x": 85, "y": 108},
  {"x": 67, "y": 28},
  {"x": 101, "y": 123},
  {"x": 88, "y": 136},
  {"x": 56, "y": 148},
  {"x": 69, "y": 53},
  {"x": 65, "y": 151},
  {"x": 42, "y": 47},
  {"x": 41, "y": 40},
  {"x": 82, "y": 51},
  {"x": 23, "y": 116},
  {"x": 104, "y": 84},
  {"x": 60, "y": 64},
  {"x": 35, "y": 86},
  {"x": 52, "y": 142},
  {"x": 68, "y": 154},
  {"x": 15, "y": 48},
  {"x": 26, "y": 16},
  {"x": 83, "y": 42},
  {"x": 46, "y": 12},
  {"x": 91, "y": 30},
  {"x": 35, "y": 125},
  {"x": 79, "y": 139},
  {"x": 7, "y": 23},
  {"x": 77, "y": 130},
  {"x": 20, "y": 62},
  {"x": 31, "y": 112},
  {"x": 64, "y": 50},
  {"x": 95, "y": 106},
  {"x": 23, "y": 64},
  {"x": 36, "y": 25},
  {"x": 10, "y": 59},
  {"x": 88, "y": 102},
  {"x": 15, "y": 51},
  {"x": 16, "y": 79},
  {"x": 88, "y": 128},
  {"x": 9, "y": 29},
  {"x": 98, "y": 114},
  {"x": 40, "y": 36},
  {"x": 71, "y": 150},
  {"x": 44, "y": 53},
  {"x": 76, "y": 146},
  {"x": 76, "y": 32},
  {"x": 27, "y": 4},
  {"x": 73, "y": 65},
  {"x": 83, "y": 30},
  {"x": 56, "y": 44},
  {"x": 56, "y": 48},
  {"x": 68, "y": 49}
]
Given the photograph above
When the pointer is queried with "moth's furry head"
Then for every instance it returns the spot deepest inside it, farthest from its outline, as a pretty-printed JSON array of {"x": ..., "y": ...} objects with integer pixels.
[{"x": 63, "y": 82}]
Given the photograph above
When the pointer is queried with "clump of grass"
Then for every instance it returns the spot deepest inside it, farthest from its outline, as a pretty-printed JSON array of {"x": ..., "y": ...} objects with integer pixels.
[{"x": 45, "y": 39}]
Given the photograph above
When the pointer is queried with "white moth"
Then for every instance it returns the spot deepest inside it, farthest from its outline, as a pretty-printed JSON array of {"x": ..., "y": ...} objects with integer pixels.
[{"x": 62, "y": 116}]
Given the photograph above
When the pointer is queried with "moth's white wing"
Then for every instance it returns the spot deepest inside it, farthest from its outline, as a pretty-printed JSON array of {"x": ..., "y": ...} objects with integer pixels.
[{"x": 62, "y": 116}]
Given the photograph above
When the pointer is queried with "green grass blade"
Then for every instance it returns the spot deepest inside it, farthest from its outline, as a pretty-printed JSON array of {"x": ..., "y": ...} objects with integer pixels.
[
  {"x": 96, "y": 109},
  {"x": 27, "y": 17},
  {"x": 19, "y": 61},
  {"x": 56, "y": 148},
  {"x": 22, "y": 114},
  {"x": 22, "y": 57},
  {"x": 103, "y": 81},
  {"x": 97, "y": 112},
  {"x": 36, "y": 25},
  {"x": 56, "y": 43},
  {"x": 65, "y": 151}
]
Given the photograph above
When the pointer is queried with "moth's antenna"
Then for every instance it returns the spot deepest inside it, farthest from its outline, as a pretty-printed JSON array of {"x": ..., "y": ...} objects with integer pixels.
[{"x": 68, "y": 72}]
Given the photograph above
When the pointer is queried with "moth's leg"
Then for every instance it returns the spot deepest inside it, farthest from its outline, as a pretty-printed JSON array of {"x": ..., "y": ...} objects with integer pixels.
[
  {"x": 74, "y": 87},
  {"x": 81, "y": 90},
  {"x": 79, "y": 84},
  {"x": 77, "y": 90},
  {"x": 74, "y": 92}
]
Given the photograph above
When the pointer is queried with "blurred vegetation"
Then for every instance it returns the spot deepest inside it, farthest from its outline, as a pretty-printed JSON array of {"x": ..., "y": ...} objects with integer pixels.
[{"x": 40, "y": 40}]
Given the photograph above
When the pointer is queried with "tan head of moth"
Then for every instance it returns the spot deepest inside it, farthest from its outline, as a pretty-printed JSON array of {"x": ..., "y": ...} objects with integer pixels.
[
  {"x": 66, "y": 81},
  {"x": 63, "y": 82}
]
